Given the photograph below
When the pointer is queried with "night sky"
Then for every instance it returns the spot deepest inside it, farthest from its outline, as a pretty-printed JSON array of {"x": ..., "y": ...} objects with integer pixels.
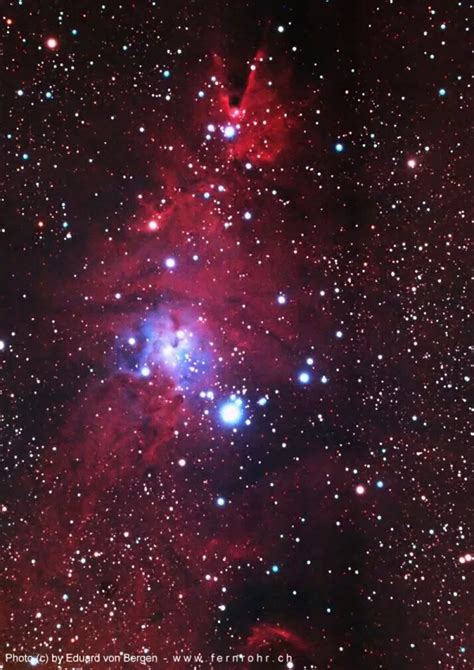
[{"x": 234, "y": 334}]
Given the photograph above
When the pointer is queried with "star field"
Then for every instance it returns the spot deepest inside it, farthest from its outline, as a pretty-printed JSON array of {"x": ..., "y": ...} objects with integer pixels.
[{"x": 234, "y": 335}]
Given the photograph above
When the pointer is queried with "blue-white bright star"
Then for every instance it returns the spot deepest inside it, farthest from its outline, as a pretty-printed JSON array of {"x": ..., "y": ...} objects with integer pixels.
[
  {"x": 231, "y": 412},
  {"x": 229, "y": 132}
]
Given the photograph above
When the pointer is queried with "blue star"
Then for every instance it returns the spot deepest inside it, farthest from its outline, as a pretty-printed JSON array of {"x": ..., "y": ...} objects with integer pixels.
[
  {"x": 231, "y": 412},
  {"x": 304, "y": 377},
  {"x": 229, "y": 132}
]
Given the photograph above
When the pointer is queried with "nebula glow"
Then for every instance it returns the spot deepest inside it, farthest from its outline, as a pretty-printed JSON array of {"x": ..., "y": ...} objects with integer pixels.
[{"x": 233, "y": 334}]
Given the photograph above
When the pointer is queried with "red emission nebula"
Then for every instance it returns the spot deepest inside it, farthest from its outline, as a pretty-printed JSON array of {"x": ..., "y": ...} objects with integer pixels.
[
  {"x": 233, "y": 339},
  {"x": 126, "y": 542}
]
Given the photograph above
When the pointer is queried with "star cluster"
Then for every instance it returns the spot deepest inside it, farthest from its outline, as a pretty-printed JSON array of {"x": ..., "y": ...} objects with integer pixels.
[{"x": 233, "y": 334}]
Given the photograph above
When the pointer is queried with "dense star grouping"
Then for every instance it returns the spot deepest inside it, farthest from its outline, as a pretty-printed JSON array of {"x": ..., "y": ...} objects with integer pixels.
[{"x": 233, "y": 334}]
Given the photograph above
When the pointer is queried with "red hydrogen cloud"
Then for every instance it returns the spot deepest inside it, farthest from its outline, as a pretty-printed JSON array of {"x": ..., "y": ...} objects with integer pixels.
[
  {"x": 121, "y": 441},
  {"x": 267, "y": 636},
  {"x": 189, "y": 409},
  {"x": 231, "y": 251},
  {"x": 263, "y": 121}
]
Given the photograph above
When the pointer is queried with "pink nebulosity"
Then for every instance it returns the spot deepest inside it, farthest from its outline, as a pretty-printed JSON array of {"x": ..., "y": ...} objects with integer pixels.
[{"x": 187, "y": 314}]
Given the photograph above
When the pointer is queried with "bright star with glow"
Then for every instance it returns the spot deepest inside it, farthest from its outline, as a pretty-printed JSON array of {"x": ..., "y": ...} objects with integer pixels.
[
  {"x": 229, "y": 132},
  {"x": 170, "y": 263},
  {"x": 231, "y": 412},
  {"x": 304, "y": 377},
  {"x": 339, "y": 147},
  {"x": 52, "y": 43},
  {"x": 220, "y": 501}
]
